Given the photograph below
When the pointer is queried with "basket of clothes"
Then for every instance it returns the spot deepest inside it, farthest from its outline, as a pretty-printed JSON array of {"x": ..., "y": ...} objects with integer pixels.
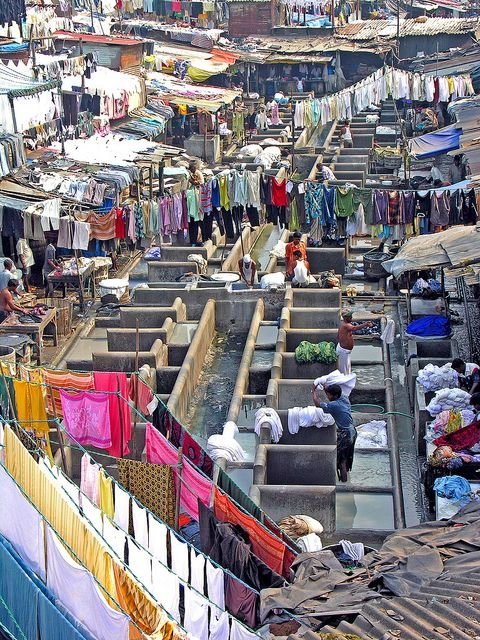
[
  {"x": 388, "y": 157},
  {"x": 372, "y": 264}
]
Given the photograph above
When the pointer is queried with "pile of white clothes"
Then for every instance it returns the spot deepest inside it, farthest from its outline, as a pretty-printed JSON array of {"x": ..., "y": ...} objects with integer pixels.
[
  {"x": 372, "y": 435},
  {"x": 271, "y": 417},
  {"x": 224, "y": 445},
  {"x": 310, "y": 542},
  {"x": 448, "y": 399},
  {"x": 433, "y": 378},
  {"x": 346, "y": 382},
  {"x": 279, "y": 249},
  {"x": 272, "y": 280},
  {"x": 269, "y": 156},
  {"x": 251, "y": 150},
  {"x": 303, "y": 417}
]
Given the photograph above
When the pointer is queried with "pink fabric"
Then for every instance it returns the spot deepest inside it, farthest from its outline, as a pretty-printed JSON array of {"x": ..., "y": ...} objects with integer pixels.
[
  {"x": 120, "y": 418},
  {"x": 194, "y": 485},
  {"x": 90, "y": 480},
  {"x": 87, "y": 418}
]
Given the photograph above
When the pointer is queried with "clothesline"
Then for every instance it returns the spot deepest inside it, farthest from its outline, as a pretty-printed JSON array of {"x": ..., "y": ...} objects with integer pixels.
[
  {"x": 139, "y": 414},
  {"x": 185, "y": 483},
  {"x": 72, "y": 551},
  {"x": 132, "y": 539}
]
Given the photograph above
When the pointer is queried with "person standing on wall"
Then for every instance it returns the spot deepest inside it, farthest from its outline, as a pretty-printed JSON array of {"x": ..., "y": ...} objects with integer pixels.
[{"x": 345, "y": 340}]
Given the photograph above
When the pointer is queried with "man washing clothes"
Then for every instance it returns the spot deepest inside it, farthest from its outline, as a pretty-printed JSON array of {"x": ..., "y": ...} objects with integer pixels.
[{"x": 345, "y": 340}]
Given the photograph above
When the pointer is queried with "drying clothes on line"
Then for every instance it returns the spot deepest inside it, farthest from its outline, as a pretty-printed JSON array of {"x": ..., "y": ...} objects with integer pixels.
[
  {"x": 323, "y": 352},
  {"x": 347, "y": 382},
  {"x": 179, "y": 437},
  {"x": 30, "y": 404},
  {"x": 196, "y": 614},
  {"x": 194, "y": 486},
  {"x": 372, "y": 435},
  {"x": 86, "y": 417},
  {"x": 122, "y": 508},
  {"x": 388, "y": 334},
  {"x": 119, "y": 410},
  {"x": 224, "y": 445},
  {"x": 90, "y": 479},
  {"x": 140, "y": 524},
  {"x": 433, "y": 378},
  {"x": 106, "y": 495},
  {"x": 299, "y": 417},
  {"x": 272, "y": 551},
  {"x": 85, "y": 602},
  {"x": 271, "y": 417},
  {"x": 151, "y": 484},
  {"x": 67, "y": 380},
  {"x": 25, "y": 531}
]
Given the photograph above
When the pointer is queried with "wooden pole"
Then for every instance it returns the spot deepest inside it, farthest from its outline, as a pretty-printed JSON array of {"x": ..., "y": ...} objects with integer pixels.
[
  {"x": 179, "y": 487},
  {"x": 59, "y": 433},
  {"x": 136, "y": 381}
]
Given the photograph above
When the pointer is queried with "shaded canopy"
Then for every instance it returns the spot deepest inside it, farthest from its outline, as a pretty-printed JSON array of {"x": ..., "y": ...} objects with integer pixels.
[
  {"x": 435, "y": 143},
  {"x": 455, "y": 247}
]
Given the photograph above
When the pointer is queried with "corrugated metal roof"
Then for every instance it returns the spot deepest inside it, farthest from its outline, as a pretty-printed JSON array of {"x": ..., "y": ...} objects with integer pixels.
[
  {"x": 313, "y": 45},
  {"x": 449, "y": 610},
  {"x": 387, "y": 29}
]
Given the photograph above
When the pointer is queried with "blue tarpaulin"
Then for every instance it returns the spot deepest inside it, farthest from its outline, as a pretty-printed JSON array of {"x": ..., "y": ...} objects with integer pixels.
[{"x": 433, "y": 144}]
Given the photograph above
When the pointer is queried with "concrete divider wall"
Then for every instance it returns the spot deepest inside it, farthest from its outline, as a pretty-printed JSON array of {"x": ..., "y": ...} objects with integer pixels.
[
  {"x": 297, "y": 393},
  {"x": 325, "y": 318},
  {"x": 292, "y": 369},
  {"x": 182, "y": 392},
  {"x": 318, "y": 298},
  {"x": 326, "y": 259},
  {"x": 177, "y": 253},
  {"x": 247, "y": 239},
  {"x": 152, "y": 317},
  {"x": 242, "y": 381},
  {"x": 157, "y": 356},
  {"x": 228, "y": 312},
  {"x": 278, "y": 464},
  {"x": 280, "y": 501}
]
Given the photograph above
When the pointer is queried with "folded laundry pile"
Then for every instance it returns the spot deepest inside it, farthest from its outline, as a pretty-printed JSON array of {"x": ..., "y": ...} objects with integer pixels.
[
  {"x": 433, "y": 378},
  {"x": 448, "y": 399}
]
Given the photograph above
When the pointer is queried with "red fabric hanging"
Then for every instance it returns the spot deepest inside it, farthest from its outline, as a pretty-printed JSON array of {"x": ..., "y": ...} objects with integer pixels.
[
  {"x": 279, "y": 193},
  {"x": 273, "y": 552},
  {"x": 120, "y": 419}
]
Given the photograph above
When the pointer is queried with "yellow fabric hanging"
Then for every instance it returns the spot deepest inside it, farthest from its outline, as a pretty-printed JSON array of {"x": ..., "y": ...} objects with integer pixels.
[
  {"x": 48, "y": 497},
  {"x": 106, "y": 495},
  {"x": 30, "y": 405},
  {"x": 46, "y": 494}
]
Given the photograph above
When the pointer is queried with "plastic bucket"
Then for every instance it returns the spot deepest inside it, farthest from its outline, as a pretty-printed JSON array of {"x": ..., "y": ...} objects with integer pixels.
[
  {"x": 372, "y": 264},
  {"x": 113, "y": 286}
]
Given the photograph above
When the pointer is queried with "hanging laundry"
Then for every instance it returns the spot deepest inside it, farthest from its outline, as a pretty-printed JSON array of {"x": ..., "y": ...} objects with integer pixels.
[
  {"x": 86, "y": 417},
  {"x": 90, "y": 479},
  {"x": 194, "y": 486},
  {"x": 265, "y": 546},
  {"x": 151, "y": 484},
  {"x": 68, "y": 380},
  {"x": 119, "y": 410},
  {"x": 85, "y": 602},
  {"x": 30, "y": 405}
]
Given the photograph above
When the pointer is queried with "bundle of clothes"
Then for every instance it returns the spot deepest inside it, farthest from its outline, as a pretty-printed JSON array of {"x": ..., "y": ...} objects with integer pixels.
[
  {"x": 448, "y": 399},
  {"x": 433, "y": 378}
]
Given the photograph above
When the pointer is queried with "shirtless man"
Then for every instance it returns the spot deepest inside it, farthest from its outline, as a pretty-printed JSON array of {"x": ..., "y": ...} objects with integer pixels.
[
  {"x": 345, "y": 340},
  {"x": 7, "y": 303}
]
